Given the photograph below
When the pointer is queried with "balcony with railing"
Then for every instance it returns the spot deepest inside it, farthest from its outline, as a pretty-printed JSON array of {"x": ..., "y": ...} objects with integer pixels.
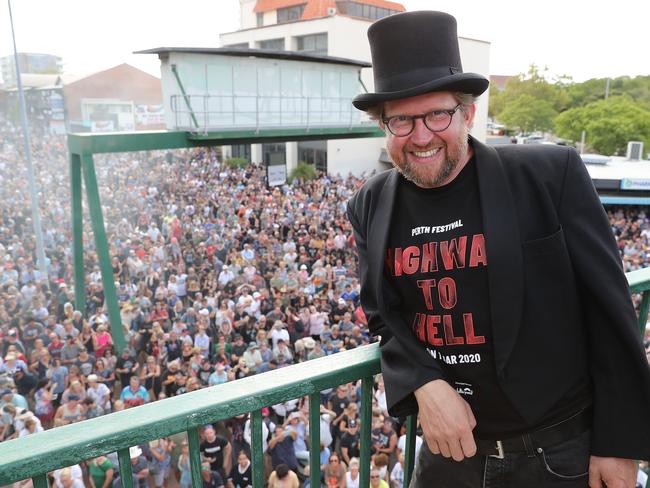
[{"x": 35, "y": 456}]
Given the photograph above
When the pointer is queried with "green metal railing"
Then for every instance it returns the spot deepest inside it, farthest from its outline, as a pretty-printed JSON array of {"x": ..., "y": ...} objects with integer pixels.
[{"x": 36, "y": 455}]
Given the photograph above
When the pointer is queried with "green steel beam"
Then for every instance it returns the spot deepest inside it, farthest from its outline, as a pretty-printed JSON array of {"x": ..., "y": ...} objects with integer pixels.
[
  {"x": 257, "y": 449},
  {"x": 409, "y": 454},
  {"x": 101, "y": 245},
  {"x": 77, "y": 232},
  {"x": 194, "y": 443},
  {"x": 366, "y": 429},
  {"x": 314, "y": 438},
  {"x": 185, "y": 97},
  {"x": 70, "y": 444},
  {"x": 126, "y": 469},
  {"x": 162, "y": 139}
]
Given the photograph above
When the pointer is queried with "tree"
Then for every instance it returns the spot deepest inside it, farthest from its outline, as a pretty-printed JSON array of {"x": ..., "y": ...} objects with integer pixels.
[
  {"x": 303, "y": 172},
  {"x": 609, "y": 124},
  {"x": 528, "y": 114},
  {"x": 533, "y": 84}
]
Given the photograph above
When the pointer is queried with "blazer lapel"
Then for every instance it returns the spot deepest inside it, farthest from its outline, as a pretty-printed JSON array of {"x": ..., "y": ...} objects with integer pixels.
[
  {"x": 504, "y": 253},
  {"x": 378, "y": 233}
]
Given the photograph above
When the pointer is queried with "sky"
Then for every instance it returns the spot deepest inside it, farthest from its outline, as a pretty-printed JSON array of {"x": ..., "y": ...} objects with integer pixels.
[{"x": 579, "y": 38}]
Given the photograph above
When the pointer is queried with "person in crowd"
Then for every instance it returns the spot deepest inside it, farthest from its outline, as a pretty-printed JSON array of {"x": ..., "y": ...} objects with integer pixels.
[
  {"x": 217, "y": 451},
  {"x": 101, "y": 472},
  {"x": 283, "y": 477},
  {"x": 241, "y": 476}
]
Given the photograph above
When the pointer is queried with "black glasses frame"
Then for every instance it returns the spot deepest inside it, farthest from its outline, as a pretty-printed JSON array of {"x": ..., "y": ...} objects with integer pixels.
[{"x": 424, "y": 116}]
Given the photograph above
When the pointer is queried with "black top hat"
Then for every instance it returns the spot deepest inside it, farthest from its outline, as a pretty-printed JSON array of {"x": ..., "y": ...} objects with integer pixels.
[{"x": 415, "y": 53}]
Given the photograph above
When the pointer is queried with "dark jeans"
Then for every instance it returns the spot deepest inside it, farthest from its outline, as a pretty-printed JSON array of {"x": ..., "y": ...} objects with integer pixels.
[{"x": 563, "y": 465}]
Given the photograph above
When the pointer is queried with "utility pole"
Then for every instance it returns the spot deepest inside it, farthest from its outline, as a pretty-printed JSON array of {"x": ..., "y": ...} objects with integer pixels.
[
  {"x": 36, "y": 215},
  {"x": 607, "y": 88}
]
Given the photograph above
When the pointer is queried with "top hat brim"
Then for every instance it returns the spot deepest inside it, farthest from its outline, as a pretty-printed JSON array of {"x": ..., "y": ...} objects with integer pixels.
[{"x": 471, "y": 83}]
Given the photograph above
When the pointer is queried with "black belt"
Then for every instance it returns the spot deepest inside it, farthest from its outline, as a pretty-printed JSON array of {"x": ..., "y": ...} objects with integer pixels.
[{"x": 546, "y": 437}]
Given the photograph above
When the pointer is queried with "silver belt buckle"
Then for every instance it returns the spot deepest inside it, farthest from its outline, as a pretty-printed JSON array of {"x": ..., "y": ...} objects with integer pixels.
[{"x": 499, "y": 454}]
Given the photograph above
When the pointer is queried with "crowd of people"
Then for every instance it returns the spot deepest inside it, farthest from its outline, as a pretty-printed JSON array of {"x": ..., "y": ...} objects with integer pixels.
[{"x": 218, "y": 278}]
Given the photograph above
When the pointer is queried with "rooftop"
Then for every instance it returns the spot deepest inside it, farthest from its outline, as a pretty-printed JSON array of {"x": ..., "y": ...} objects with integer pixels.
[{"x": 258, "y": 53}]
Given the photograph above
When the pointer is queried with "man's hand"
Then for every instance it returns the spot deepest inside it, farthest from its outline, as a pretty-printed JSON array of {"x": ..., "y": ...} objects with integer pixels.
[
  {"x": 614, "y": 472},
  {"x": 447, "y": 420}
]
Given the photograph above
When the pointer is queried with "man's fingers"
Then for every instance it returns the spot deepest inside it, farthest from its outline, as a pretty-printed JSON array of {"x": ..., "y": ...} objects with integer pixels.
[
  {"x": 444, "y": 449},
  {"x": 433, "y": 447},
  {"x": 594, "y": 479},
  {"x": 468, "y": 445},
  {"x": 456, "y": 449}
]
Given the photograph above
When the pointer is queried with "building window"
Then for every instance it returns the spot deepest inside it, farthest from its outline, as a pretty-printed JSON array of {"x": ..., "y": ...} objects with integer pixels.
[
  {"x": 273, "y": 154},
  {"x": 290, "y": 14},
  {"x": 241, "y": 151},
  {"x": 365, "y": 11},
  {"x": 313, "y": 44},
  {"x": 239, "y": 45},
  {"x": 260, "y": 19},
  {"x": 273, "y": 44},
  {"x": 314, "y": 153}
]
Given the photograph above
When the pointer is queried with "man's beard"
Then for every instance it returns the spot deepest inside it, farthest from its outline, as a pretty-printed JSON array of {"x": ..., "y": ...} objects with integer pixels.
[{"x": 424, "y": 176}]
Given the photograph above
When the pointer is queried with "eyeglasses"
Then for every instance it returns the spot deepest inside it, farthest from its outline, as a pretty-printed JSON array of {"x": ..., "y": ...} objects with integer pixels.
[
  {"x": 435, "y": 121},
  {"x": 373, "y": 476}
]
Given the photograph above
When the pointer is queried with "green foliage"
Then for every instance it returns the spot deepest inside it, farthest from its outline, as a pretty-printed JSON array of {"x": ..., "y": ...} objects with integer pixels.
[
  {"x": 303, "y": 172},
  {"x": 609, "y": 124},
  {"x": 532, "y": 84},
  {"x": 237, "y": 162},
  {"x": 528, "y": 114}
]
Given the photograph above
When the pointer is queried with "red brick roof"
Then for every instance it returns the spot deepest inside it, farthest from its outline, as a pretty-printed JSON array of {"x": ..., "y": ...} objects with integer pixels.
[{"x": 318, "y": 8}]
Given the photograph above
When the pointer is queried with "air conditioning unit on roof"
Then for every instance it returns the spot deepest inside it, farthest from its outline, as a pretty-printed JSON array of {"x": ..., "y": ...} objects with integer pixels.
[
  {"x": 331, "y": 10},
  {"x": 635, "y": 150}
]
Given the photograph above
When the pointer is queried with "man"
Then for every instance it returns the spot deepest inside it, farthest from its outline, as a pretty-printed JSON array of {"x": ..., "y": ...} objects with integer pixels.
[
  {"x": 281, "y": 448},
  {"x": 503, "y": 311},
  {"x": 350, "y": 447},
  {"x": 217, "y": 451},
  {"x": 134, "y": 391}
]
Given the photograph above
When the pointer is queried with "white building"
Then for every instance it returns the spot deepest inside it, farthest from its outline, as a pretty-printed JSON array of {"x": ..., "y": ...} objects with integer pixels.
[{"x": 338, "y": 29}]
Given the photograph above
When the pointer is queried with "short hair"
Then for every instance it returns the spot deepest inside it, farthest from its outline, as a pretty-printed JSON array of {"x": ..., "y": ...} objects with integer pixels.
[{"x": 282, "y": 470}]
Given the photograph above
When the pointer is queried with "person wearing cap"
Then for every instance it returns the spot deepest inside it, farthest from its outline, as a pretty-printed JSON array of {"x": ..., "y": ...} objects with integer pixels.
[
  {"x": 492, "y": 276},
  {"x": 350, "y": 447}
]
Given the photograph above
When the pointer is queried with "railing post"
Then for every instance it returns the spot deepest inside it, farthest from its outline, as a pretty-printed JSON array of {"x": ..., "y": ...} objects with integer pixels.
[
  {"x": 126, "y": 470},
  {"x": 366, "y": 430},
  {"x": 194, "y": 444},
  {"x": 409, "y": 451},
  {"x": 314, "y": 439},
  {"x": 257, "y": 449},
  {"x": 40, "y": 481}
]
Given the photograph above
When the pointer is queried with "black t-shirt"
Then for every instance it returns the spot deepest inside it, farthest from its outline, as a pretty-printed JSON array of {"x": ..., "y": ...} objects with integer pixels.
[
  {"x": 437, "y": 260},
  {"x": 338, "y": 404},
  {"x": 241, "y": 480},
  {"x": 352, "y": 443},
  {"x": 214, "y": 450}
]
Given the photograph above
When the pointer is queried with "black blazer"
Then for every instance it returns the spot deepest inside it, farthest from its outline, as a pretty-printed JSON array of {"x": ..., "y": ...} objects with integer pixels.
[{"x": 562, "y": 316}]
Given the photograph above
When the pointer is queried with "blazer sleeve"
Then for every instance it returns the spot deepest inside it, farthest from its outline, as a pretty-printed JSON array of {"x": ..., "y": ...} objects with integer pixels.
[
  {"x": 405, "y": 364},
  {"x": 619, "y": 370}
]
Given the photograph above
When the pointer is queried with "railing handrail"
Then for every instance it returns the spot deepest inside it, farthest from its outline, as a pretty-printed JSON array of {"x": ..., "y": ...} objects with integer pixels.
[
  {"x": 639, "y": 280},
  {"x": 70, "y": 444}
]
